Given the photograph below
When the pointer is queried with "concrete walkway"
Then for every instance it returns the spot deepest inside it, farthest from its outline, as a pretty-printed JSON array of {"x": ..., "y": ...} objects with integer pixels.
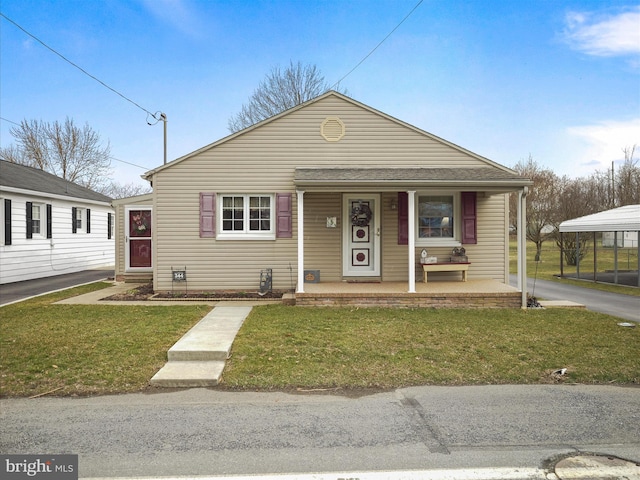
[{"x": 198, "y": 358}]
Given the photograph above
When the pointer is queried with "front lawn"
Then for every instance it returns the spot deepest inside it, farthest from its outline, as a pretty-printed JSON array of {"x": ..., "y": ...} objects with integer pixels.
[
  {"x": 86, "y": 349},
  {"x": 310, "y": 348},
  {"x": 99, "y": 349}
]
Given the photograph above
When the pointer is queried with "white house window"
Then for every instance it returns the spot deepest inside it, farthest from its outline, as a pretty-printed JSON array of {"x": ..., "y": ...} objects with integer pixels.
[
  {"x": 36, "y": 216},
  {"x": 437, "y": 217},
  {"x": 78, "y": 214},
  {"x": 246, "y": 216}
]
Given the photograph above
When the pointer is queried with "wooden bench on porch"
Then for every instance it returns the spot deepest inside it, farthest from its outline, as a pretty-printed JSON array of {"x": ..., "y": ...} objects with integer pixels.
[{"x": 446, "y": 267}]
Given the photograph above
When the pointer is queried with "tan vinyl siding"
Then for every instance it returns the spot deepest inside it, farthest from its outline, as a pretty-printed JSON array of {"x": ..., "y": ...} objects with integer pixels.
[
  {"x": 263, "y": 161},
  {"x": 322, "y": 245}
]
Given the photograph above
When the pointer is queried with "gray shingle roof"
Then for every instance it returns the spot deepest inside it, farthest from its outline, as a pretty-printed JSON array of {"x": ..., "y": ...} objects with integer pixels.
[
  {"x": 483, "y": 176},
  {"x": 27, "y": 178}
]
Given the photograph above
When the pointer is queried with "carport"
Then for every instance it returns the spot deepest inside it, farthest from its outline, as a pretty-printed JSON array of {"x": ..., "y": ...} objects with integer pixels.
[{"x": 617, "y": 220}]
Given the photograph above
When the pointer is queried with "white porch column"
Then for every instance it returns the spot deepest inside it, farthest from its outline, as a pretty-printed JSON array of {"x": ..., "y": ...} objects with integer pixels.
[
  {"x": 300, "y": 285},
  {"x": 522, "y": 245},
  {"x": 411, "y": 232}
]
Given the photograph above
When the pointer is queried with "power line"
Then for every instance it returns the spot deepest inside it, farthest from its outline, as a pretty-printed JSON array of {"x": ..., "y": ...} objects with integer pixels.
[
  {"x": 376, "y": 47},
  {"x": 78, "y": 67},
  {"x": 9, "y": 121},
  {"x": 110, "y": 157}
]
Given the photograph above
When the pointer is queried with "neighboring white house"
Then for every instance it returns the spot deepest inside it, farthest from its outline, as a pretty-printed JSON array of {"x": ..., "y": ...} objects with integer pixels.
[{"x": 51, "y": 226}]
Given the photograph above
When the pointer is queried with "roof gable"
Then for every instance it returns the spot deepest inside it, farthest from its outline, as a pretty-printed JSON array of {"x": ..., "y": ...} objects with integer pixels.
[
  {"x": 21, "y": 177},
  {"x": 337, "y": 98}
]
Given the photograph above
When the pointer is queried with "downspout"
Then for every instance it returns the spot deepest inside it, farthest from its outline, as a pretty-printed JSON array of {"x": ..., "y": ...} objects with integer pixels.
[
  {"x": 300, "y": 285},
  {"x": 522, "y": 245},
  {"x": 411, "y": 232}
]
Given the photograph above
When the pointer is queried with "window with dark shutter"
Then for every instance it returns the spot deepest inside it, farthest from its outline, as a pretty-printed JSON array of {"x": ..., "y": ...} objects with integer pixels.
[
  {"x": 469, "y": 226},
  {"x": 283, "y": 215},
  {"x": 207, "y": 215},
  {"x": 7, "y": 221},
  {"x": 29, "y": 220},
  {"x": 109, "y": 225}
]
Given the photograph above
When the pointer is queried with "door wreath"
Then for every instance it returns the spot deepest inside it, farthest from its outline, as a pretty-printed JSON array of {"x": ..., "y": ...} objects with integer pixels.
[{"x": 361, "y": 215}]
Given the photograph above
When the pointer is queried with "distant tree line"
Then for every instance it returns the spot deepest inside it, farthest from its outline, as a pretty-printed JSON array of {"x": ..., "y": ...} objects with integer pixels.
[{"x": 554, "y": 199}]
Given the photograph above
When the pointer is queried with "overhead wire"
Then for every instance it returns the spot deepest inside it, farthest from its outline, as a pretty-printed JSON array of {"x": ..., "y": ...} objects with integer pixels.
[
  {"x": 80, "y": 68},
  {"x": 377, "y": 46},
  {"x": 110, "y": 157}
]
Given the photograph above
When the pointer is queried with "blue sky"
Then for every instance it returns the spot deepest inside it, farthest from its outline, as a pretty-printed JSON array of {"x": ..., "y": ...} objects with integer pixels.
[{"x": 557, "y": 80}]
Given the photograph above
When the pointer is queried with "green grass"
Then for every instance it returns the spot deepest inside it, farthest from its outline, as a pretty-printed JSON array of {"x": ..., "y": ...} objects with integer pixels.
[
  {"x": 282, "y": 347},
  {"x": 86, "y": 349},
  {"x": 100, "y": 349},
  {"x": 549, "y": 265}
]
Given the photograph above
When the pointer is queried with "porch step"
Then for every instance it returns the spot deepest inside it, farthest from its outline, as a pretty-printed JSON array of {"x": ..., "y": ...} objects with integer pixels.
[
  {"x": 198, "y": 358},
  {"x": 188, "y": 374},
  {"x": 137, "y": 278}
]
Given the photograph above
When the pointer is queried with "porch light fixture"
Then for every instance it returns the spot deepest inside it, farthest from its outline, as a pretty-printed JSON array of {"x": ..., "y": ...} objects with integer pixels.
[{"x": 394, "y": 204}]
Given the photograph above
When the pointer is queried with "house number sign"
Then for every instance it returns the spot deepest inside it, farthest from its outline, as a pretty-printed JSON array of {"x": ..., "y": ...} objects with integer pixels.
[{"x": 179, "y": 275}]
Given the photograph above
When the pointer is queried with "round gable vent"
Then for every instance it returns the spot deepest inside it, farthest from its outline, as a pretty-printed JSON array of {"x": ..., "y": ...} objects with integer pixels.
[{"x": 332, "y": 129}]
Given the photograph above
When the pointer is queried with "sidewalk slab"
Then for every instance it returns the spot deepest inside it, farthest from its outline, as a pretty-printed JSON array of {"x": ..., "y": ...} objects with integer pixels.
[
  {"x": 198, "y": 358},
  {"x": 211, "y": 338},
  {"x": 560, "y": 304},
  {"x": 188, "y": 374}
]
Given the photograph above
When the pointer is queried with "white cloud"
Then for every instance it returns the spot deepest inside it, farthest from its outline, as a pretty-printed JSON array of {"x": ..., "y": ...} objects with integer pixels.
[
  {"x": 177, "y": 13},
  {"x": 604, "y": 35},
  {"x": 604, "y": 142}
]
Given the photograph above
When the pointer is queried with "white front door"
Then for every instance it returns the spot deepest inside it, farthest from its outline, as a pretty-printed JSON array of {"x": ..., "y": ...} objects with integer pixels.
[{"x": 361, "y": 235}]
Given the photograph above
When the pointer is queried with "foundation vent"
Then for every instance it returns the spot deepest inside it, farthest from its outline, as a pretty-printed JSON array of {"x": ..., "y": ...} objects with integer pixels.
[{"x": 332, "y": 129}]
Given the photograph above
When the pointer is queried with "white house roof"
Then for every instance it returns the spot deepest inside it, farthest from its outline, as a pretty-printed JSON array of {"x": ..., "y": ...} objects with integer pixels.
[
  {"x": 21, "y": 177},
  {"x": 622, "y": 219}
]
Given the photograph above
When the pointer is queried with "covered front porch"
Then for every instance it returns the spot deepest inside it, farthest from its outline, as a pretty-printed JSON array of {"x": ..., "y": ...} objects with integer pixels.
[
  {"x": 374, "y": 258},
  {"x": 478, "y": 293}
]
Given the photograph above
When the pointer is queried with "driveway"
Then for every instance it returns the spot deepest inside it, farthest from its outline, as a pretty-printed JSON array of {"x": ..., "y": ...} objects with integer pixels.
[
  {"x": 626, "y": 307},
  {"x": 14, "y": 292}
]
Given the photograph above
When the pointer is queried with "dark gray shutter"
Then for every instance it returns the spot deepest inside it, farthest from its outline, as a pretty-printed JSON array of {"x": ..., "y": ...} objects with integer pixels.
[
  {"x": 109, "y": 224},
  {"x": 29, "y": 220},
  {"x": 7, "y": 221},
  {"x": 88, "y": 220},
  {"x": 74, "y": 228},
  {"x": 49, "y": 221}
]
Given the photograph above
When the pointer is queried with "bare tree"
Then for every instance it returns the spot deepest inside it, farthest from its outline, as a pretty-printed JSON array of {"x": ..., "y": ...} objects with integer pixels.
[
  {"x": 627, "y": 180},
  {"x": 279, "y": 91},
  {"x": 542, "y": 211},
  {"x": 63, "y": 149},
  {"x": 117, "y": 190}
]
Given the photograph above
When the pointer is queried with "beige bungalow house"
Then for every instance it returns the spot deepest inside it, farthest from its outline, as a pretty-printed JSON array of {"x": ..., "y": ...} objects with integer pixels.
[{"x": 338, "y": 202}]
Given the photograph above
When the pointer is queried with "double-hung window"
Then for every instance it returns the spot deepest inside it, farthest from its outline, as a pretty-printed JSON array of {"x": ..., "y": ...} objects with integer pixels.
[
  {"x": 246, "y": 216},
  {"x": 36, "y": 216}
]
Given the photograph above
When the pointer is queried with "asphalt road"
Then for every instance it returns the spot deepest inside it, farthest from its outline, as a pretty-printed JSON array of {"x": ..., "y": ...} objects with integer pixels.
[
  {"x": 13, "y": 292},
  {"x": 623, "y": 306},
  {"x": 209, "y": 432}
]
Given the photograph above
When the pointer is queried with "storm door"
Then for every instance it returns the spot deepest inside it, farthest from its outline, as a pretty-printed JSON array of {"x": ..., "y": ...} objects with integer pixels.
[
  {"x": 138, "y": 239},
  {"x": 361, "y": 236}
]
